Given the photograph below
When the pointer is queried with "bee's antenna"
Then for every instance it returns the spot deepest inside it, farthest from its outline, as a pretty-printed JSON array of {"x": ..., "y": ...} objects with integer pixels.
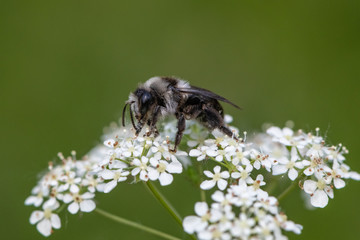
[
  {"x": 123, "y": 115},
  {"x": 132, "y": 117}
]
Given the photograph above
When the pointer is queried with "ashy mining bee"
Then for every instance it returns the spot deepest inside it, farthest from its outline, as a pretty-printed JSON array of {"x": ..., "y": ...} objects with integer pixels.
[{"x": 162, "y": 96}]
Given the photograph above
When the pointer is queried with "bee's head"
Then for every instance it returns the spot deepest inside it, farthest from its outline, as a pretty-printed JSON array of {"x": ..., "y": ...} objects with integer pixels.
[
  {"x": 141, "y": 102},
  {"x": 144, "y": 103}
]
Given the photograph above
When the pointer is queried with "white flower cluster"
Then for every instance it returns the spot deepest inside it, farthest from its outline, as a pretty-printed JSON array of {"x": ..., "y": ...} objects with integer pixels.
[
  {"x": 242, "y": 212},
  {"x": 71, "y": 184},
  {"x": 241, "y": 209},
  {"x": 144, "y": 158},
  {"x": 304, "y": 158},
  {"x": 318, "y": 167}
]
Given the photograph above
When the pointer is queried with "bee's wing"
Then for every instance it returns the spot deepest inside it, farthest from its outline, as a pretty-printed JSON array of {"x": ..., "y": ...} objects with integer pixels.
[{"x": 206, "y": 93}]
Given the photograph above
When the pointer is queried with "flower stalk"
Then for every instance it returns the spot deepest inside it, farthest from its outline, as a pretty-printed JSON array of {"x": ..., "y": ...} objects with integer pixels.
[
  {"x": 164, "y": 202},
  {"x": 135, "y": 225}
]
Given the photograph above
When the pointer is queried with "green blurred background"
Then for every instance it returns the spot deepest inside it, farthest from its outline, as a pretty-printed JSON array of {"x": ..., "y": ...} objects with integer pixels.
[{"x": 67, "y": 67}]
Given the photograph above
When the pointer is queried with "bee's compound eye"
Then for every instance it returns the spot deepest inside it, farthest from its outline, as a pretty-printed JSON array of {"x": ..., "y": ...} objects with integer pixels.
[{"x": 145, "y": 98}]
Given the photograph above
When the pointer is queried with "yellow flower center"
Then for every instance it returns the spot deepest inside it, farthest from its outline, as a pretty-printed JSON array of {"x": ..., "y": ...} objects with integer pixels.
[
  {"x": 47, "y": 213},
  {"x": 161, "y": 167}
]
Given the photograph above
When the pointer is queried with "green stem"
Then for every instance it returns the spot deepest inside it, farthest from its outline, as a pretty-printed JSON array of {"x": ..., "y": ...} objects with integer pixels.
[
  {"x": 135, "y": 225},
  {"x": 287, "y": 190},
  {"x": 124, "y": 161},
  {"x": 221, "y": 163},
  {"x": 166, "y": 204},
  {"x": 61, "y": 208},
  {"x": 202, "y": 192}
]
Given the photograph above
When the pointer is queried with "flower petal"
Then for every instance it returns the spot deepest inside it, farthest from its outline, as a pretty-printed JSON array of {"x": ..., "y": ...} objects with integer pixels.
[
  {"x": 222, "y": 184},
  {"x": 218, "y": 196},
  {"x": 36, "y": 216},
  {"x": 107, "y": 174},
  {"x": 165, "y": 179},
  {"x": 44, "y": 227},
  {"x": 190, "y": 223},
  {"x": 319, "y": 199},
  {"x": 174, "y": 167},
  {"x": 144, "y": 175},
  {"x": 74, "y": 188},
  {"x": 279, "y": 169},
  {"x": 339, "y": 183},
  {"x": 87, "y": 205},
  {"x": 208, "y": 174},
  {"x": 292, "y": 174},
  {"x": 201, "y": 208},
  {"x": 73, "y": 208},
  {"x": 153, "y": 174},
  {"x": 310, "y": 186},
  {"x": 309, "y": 171},
  {"x": 55, "y": 221},
  {"x": 135, "y": 171},
  {"x": 207, "y": 184},
  {"x": 217, "y": 169},
  {"x": 225, "y": 174},
  {"x": 194, "y": 153},
  {"x": 110, "y": 186}
]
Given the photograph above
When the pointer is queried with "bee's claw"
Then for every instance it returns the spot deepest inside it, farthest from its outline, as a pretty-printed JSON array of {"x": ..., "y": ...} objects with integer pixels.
[{"x": 173, "y": 150}]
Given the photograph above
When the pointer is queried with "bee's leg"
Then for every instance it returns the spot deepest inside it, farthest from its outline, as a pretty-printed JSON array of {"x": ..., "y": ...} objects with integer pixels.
[
  {"x": 228, "y": 132},
  {"x": 179, "y": 134},
  {"x": 213, "y": 119},
  {"x": 152, "y": 123},
  {"x": 139, "y": 126}
]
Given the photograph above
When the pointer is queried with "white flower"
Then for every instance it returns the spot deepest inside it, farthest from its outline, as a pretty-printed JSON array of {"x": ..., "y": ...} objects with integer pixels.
[
  {"x": 214, "y": 232},
  {"x": 141, "y": 167},
  {"x": 93, "y": 183},
  {"x": 242, "y": 194},
  {"x": 261, "y": 160},
  {"x": 286, "y": 137},
  {"x": 39, "y": 193},
  {"x": 221, "y": 154},
  {"x": 115, "y": 176},
  {"x": 266, "y": 202},
  {"x": 223, "y": 200},
  {"x": 200, "y": 153},
  {"x": 71, "y": 182},
  {"x": 83, "y": 202},
  {"x": 217, "y": 178},
  {"x": 129, "y": 149},
  {"x": 162, "y": 170},
  {"x": 315, "y": 164},
  {"x": 335, "y": 154},
  {"x": 46, "y": 219},
  {"x": 286, "y": 165},
  {"x": 199, "y": 222},
  {"x": 259, "y": 181},
  {"x": 335, "y": 174},
  {"x": 316, "y": 150},
  {"x": 349, "y": 174},
  {"x": 161, "y": 150},
  {"x": 319, "y": 191},
  {"x": 240, "y": 213},
  {"x": 240, "y": 156},
  {"x": 242, "y": 227},
  {"x": 111, "y": 143},
  {"x": 243, "y": 174},
  {"x": 291, "y": 226}
]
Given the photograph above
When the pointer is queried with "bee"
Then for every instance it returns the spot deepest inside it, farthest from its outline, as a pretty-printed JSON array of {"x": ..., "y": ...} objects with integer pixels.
[{"x": 162, "y": 96}]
